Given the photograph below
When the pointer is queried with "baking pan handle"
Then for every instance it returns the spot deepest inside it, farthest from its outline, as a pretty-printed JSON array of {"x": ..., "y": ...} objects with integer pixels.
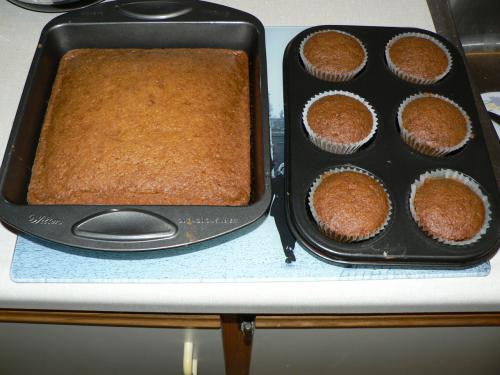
[
  {"x": 155, "y": 10},
  {"x": 125, "y": 225}
]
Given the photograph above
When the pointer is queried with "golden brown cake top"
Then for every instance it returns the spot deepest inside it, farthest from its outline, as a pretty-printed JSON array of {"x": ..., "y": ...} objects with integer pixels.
[
  {"x": 435, "y": 122},
  {"x": 351, "y": 203},
  {"x": 146, "y": 126},
  {"x": 340, "y": 119},
  {"x": 448, "y": 209},
  {"x": 418, "y": 57},
  {"x": 334, "y": 52}
]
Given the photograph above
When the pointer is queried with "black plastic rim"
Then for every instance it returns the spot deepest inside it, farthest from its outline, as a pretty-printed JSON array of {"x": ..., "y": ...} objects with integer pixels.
[{"x": 79, "y": 4}]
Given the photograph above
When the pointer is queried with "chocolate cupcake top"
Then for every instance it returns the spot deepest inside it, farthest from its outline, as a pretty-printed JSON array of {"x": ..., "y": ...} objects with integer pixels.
[
  {"x": 340, "y": 118},
  {"x": 418, "y": 57},
  {"x": 435, "y": 122},
  {"x": 350, "y": 203},
  {"x": 448, "y": 209},
  {"x": 333, "y": 55}
]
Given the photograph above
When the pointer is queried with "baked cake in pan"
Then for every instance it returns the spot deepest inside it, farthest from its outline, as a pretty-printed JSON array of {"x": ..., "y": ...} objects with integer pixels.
[{"x": 146, "y": 127}]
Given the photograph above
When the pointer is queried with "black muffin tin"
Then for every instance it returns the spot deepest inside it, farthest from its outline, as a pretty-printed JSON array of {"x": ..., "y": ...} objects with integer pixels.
[
  {"x": 386, "y": 156},
  {"x": 135, "y": 24}
]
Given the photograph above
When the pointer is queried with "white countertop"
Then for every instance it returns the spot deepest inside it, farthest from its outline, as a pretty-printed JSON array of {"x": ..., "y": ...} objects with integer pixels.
[{"x": 19, "y": 32}]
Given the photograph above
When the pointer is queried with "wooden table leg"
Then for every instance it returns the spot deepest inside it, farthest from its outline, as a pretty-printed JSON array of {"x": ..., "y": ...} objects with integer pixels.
[{"x": 237, "y": 343}]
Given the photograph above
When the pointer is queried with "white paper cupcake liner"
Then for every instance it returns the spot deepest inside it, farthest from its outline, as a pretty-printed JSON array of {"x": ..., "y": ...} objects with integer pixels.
[
  {"x": 466, "y": 180},
  {"x": 411, "y": 78},
  {"x": 327, "y": 144},
  {"x": 423, "y": 147},
  {"x": 324, "y": 228},
  {"x": 329, "y": 76}
]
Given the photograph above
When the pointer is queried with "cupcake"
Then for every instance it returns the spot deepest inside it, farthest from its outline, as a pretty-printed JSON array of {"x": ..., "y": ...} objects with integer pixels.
[
  {"x": 349, "y": 204},
  {"x": 417, "y": 58},
  {"x": 333, "y": 55},
  {"x": 339, "y": 122},
  {"x": 449, "y": 207},
  {"x": 433, "y": 125}
]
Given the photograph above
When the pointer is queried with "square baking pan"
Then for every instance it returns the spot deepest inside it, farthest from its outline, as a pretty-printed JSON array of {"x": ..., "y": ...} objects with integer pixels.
[
  {"x": 136, "y": 24},
  {"x": 386, "y": 156}
]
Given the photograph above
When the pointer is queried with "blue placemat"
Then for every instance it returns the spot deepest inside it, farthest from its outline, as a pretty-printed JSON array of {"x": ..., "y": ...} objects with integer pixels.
[{"x": 254, "y": 255}]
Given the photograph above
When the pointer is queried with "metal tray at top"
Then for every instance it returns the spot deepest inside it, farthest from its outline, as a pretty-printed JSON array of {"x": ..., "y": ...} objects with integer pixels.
[
  {"x": 135, "y": 24},
  {"x": 386, "y": 156}
]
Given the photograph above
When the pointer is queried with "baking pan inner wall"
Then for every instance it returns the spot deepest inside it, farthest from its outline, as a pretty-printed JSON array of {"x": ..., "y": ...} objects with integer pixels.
[{"x": 63, "y": 38}]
